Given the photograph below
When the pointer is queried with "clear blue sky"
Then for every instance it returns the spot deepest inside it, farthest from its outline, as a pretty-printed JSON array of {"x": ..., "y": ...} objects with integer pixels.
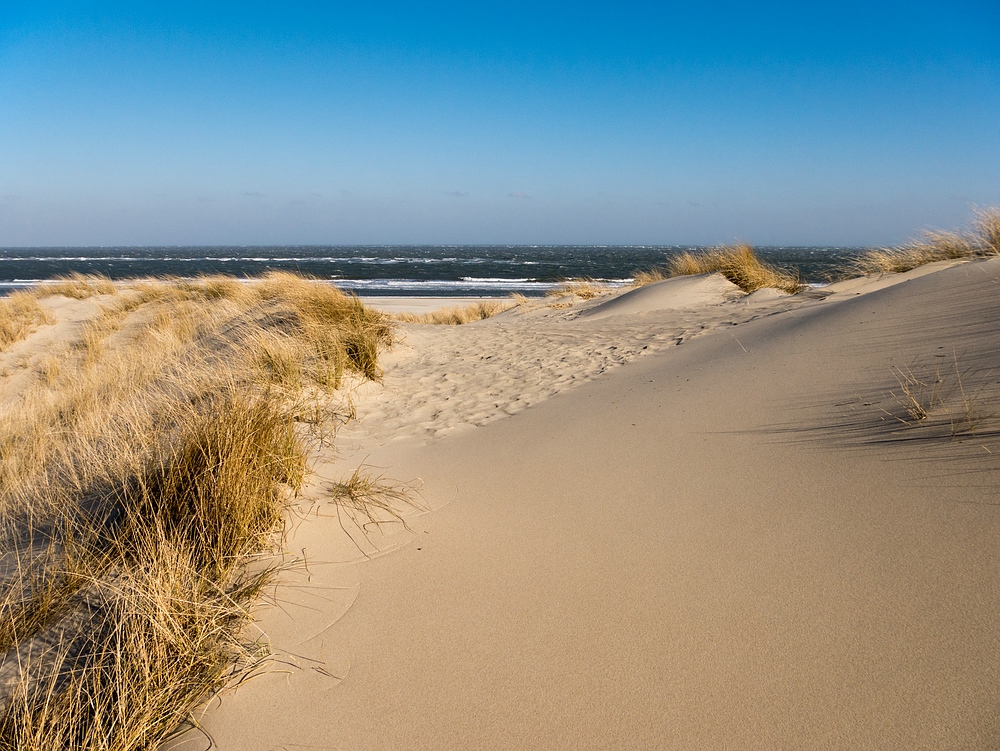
[{"x": 519, "y": 122}]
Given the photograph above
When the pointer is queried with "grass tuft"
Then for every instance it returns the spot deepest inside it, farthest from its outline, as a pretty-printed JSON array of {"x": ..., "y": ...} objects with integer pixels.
[
  {"x": 368, "y": 501},
  {"x": 78, "y": 286},
  {"x": 936, "y": 245},
  {"x": 457, "y": 315},
  {"x": 986, "y": 229},
  {"x": 940, "y": 398},
  {"x": 649, "y": 276},
  {"x": 584, "y": 288},
  {"x": 738, "y": 263},
  {"x": 20, "y": 313}
]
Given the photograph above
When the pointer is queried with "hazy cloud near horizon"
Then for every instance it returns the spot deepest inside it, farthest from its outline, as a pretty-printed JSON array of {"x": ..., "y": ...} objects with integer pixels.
[
  {"x": 627, "y": 124},
  {"x": 349, "y": 220}
]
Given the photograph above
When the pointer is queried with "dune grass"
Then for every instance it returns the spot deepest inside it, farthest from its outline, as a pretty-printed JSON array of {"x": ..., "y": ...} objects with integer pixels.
[
  {"x": 738, "y": 263},
  {"x": 77, "y": 286},
  {"x": 583, "y": 287},
  {"x": 142, "y": 481},
  {"x": 983, "y": 239},
  {"x": 649, "y": 276},
  {"x": 20, "y": 313},
  {"x": 951, "y": 399},
  {"x": 458, "y": 314},
  {"x": 143, "y": 601},
  {"x": 368, "y": 501}
]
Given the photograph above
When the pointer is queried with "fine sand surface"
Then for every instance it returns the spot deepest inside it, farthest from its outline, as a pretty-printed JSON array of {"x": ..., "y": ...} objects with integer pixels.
[{"x": 678, "y": 518}]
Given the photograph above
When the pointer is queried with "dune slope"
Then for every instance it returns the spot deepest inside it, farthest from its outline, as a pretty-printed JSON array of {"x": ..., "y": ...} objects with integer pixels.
[{"x": 742, "y": 542}]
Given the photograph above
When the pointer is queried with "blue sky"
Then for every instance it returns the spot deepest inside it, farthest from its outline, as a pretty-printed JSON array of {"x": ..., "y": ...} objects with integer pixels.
[{"x": 274, "y": 123}]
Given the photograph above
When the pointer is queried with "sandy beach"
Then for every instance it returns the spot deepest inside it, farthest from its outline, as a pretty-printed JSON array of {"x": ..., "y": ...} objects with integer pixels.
[
  {"x": 499, "y": 377},
  {"x": 678, "y": 517}
]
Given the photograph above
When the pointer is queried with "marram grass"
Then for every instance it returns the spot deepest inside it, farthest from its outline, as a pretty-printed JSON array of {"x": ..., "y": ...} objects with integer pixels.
[
  {"x": 982, "y": 240},
  {"x": 738, "y": 263},
  {"x": 142, "y": 485},
  {"x": 457, "y": 315}
]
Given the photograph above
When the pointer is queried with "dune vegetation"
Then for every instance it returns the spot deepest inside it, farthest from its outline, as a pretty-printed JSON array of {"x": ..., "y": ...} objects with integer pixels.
[
  {"x": 982, "y": 240},
  {"x": 77, "y": 286},
  {"x": 458, "y": 314},
  {"x": 738, "y": 263},
  {"x": 20, "y": 313},
  {"x": 144, "y": 470},
  {"x": 583, "y": 287}
]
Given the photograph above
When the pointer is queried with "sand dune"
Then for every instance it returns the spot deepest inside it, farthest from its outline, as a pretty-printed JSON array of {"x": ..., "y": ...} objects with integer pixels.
[
  {"x": 741, "y": 542},
  {"x": 680, "y": 292},
  {"x": 443, "y": 379}
]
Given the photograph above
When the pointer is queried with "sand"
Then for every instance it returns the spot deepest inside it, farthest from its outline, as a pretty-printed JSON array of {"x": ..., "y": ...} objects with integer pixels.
[{"x": 677, "y": 518}]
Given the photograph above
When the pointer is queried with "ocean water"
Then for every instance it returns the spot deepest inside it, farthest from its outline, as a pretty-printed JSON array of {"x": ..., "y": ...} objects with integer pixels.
[{"x": 409, "y": 270}]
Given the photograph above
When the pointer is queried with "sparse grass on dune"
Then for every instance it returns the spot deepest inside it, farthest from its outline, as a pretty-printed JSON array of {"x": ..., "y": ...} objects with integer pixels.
[
  {"x": 937, "y": 245},
  {"x": 649, "y": 276},
  {"x": 986, "y": 229},
  {"x": 935, "y": 401},
  {"x": 932, "y": 247},
  {"x": 584, "y": 288},
  {"x": 457, "y": 315},
  {"x": 370, "y": 501},
  {"x": 137, "y": 481},
  {"x": 20, "y": 313},
  {"x": 738, "y": 263},
  {"x": 77, "y": 286}
]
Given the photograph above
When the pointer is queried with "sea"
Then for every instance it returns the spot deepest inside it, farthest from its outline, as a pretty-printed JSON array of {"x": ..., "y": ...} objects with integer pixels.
[{"x": 396, "y": 270}]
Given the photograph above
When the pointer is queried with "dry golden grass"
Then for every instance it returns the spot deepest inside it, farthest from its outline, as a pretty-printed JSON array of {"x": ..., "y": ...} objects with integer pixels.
[
  {"x": 983, "y": 240},
  {"x": 933, "y": 246},
  {"x": 20, "y": 313},
  {"x": 137, "y": 481},
  {"x": 457, "y": 315},
  {"x": 940, "y": 398},
  {"x": 78, "y": 286},
  {"x": 584, "y": 288},
  {"x": 649, "y": 276},
  {"x": 738, "y": 263},
  {"x": 368, "y": 502},
  {"x": 986, "y": 229}
]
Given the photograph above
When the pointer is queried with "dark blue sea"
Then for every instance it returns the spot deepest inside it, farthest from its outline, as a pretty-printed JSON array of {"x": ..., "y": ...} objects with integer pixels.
[{"x": 405, "y": 270}]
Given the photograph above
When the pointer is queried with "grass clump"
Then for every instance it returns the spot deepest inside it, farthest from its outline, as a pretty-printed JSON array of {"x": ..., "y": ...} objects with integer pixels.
[
  {"x": 368, "y": 501},
  {"x": 649, "y": 276},
  {"x": 986, "y": 230},
  {"x": 141, "y": 482},
  {"x": 738, "y": 263},
  {"x": 340, "y": 330},
  {"x": 942, "y": 398},
  {"x": 78, "y": 286},
  {"x": 20, "y": 313},
  {"x": 584, "y": 288},
  {"x": 937, "y": 245},
  {"x": 457, "y": 315},
  {"x": 159, "y": 638}
]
